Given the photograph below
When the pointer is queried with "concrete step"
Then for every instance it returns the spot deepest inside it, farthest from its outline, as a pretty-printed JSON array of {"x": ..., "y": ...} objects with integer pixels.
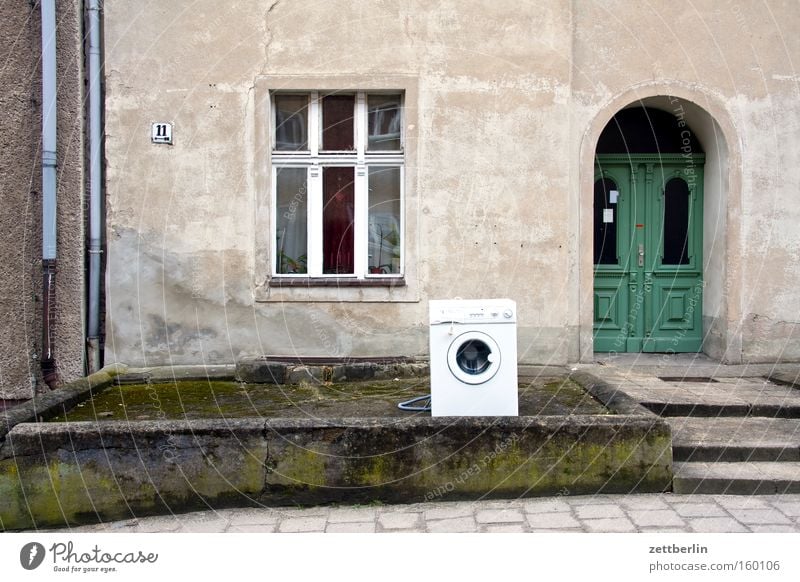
[
  {"x": 786, "y": 377},
  {"x": 735, "y": 439},
  {"x": 749, "y": 478},
  {"x": 714, "y": 397},
  {"x": 714, "y": 410}
]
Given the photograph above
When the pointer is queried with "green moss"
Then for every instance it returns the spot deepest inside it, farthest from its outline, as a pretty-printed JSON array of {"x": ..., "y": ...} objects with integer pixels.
[
  {"x": 56, "y": 494},
  {"x": 557, "y": 396},
  {"x": 205, "y": 399},
  {"x": 69, "y": 487},
  {"x": 78, "y": 487},
  {"x": 375, "y": 471},
  {"x": 562, "y": 465},
  {"x": 12, "y": 506},
  {"x": 213, "y": 399},
  {"x": 300, "y": 468}
]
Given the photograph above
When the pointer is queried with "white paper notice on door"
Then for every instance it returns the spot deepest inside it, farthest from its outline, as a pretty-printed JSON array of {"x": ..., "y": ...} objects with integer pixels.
[
  {"x": 612, "y": 196},
  {"x": 608, "y": 215}
]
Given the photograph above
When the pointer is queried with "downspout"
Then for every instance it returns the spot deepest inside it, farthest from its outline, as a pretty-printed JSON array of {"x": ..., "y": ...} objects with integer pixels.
[
  {"x": 95, "y": 188},
  {"x": 49, "y": 109}
]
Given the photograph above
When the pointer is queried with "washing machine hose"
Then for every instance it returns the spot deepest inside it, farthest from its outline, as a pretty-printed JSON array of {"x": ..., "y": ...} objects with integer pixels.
[{"x": 408, "y": 405}]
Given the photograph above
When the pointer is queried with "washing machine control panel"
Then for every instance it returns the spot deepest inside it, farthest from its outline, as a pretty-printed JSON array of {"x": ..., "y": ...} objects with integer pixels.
[{"x": 466, "y": 312}]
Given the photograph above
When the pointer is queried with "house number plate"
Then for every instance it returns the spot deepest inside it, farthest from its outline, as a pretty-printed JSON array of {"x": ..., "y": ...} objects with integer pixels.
[{"x": 161, "y": 132}]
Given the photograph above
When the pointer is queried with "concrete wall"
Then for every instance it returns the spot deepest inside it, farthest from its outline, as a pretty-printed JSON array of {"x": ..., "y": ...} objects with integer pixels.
[
  {"x": 20, "y": 188},
  {"x": 732, "y": 65},
  {"x": 505, "y": 104}
]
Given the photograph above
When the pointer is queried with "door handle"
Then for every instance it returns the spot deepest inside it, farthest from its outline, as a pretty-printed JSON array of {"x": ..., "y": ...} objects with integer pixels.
[{"x": 641, "y": 255}]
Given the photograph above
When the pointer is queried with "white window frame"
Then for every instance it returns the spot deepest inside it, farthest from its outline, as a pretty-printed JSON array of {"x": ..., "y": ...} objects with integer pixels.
[{"x": 314, "y": 160}]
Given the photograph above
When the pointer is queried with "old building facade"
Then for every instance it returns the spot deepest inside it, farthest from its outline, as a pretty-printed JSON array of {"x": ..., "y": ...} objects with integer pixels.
[{"x": 336, "y": 165}]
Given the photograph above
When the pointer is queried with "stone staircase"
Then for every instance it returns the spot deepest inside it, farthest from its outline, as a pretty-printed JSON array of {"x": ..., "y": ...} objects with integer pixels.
[
  {"x": 742, "y": 455},
  {"x": 735, "y": 436},
  {"x": 735, "y": 429}
]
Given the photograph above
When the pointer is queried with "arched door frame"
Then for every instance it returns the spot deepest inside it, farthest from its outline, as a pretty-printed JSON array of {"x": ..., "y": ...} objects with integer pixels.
[{"x": 712, "y": 125}]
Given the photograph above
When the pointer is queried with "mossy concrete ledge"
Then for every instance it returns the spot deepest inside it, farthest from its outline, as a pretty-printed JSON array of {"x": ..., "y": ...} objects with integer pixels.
[
  {"x": 52, "y": 404},
  {"x": 271, "y": 370},
  {"x": 56, "y": 474}
]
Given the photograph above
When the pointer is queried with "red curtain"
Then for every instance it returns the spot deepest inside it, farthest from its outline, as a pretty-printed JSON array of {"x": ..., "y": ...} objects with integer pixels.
[{"x": 338, "y": 198}]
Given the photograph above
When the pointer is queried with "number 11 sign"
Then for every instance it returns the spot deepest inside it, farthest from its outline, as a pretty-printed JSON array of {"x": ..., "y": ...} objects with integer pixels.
[{"x": 161, "y": 133}]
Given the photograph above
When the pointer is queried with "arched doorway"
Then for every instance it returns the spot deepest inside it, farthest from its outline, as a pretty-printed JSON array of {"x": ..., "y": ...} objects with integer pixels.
[{"x": 648, "y": 234}]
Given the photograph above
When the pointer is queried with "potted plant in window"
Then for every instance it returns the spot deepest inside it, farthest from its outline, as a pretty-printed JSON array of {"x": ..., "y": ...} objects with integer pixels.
[
  {"x": 389, "y": 238},
  {"x": 289, "y": 265},
  {"x": 377, "y": 269},
  {"x": 392, "y": 239}
]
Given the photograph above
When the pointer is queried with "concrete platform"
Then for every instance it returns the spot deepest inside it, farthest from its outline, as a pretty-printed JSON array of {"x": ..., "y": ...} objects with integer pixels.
[
  {"x": 73, "y": 472},
  {"x": 735, "y": 431}
]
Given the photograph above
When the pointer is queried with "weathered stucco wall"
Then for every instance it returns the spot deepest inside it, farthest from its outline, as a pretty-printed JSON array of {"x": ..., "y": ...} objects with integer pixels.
[
  {"x": 509, "y": 99},
  {"x": 18, "y": 237},
  {"x": 735, "y": 62},
  {"x": 181, "y": 219},
  {"x": 20, "y": 188}
]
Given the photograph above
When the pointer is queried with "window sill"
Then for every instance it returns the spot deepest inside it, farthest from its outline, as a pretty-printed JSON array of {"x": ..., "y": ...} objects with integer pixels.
[{"x": 336, "y": 282}]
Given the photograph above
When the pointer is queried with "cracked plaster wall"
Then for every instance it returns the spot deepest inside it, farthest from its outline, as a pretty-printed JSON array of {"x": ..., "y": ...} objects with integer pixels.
[{"x": 506, "y": 94}]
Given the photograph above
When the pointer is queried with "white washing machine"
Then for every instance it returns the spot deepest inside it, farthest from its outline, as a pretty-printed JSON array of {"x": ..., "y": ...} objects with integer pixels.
[{"x": 473, "y": 355}]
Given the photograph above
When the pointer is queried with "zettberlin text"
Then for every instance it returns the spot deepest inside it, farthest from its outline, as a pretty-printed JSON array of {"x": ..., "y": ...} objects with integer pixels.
[{"x": 674, "y": 549}]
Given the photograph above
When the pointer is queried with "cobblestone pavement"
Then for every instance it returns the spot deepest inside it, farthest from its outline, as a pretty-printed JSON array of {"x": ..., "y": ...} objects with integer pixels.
[{"x": 598, "y": 513}]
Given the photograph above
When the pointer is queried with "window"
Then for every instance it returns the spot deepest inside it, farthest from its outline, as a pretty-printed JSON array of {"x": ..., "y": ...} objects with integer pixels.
[
  {"x": 605, "y": 231},
  {"x": 337, "y": 183},
  {"x": 677, "y": 199}
]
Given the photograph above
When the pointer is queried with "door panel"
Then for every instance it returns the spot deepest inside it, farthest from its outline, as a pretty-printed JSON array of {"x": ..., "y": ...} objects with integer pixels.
[
  {"x": 650, "y": 299},
  {"x": 611, "y": 249},
  {"x": 610, "y": 307}
]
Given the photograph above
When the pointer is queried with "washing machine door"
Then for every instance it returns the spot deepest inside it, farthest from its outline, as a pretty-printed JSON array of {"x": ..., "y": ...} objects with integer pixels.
[{"x": 474, "y": 357}]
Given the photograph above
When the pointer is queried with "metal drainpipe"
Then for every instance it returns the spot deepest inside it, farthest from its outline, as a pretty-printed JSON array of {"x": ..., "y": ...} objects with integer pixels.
[
  {"x": 95, "y": 187},
  {"x": 49, "y": 109}
]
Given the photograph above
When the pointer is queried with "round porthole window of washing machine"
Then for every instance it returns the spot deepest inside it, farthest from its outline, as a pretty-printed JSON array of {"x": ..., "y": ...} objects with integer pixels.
[{"x": 474, "y": 357}]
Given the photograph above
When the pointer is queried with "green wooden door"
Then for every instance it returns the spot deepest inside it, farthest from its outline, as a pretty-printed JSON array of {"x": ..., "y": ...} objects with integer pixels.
[{"x": 648, "y": 228}]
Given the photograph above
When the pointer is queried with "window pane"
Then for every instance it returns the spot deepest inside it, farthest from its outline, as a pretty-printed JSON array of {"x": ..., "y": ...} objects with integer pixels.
[
  {"x": 292, "y": 219},
  {"x": 676, "y": 223},
  {"x": 384, "y": 122},
  {"x": 384, "y": 220},
  {"x": 337, "y": 122},
  {"x": 338, "y": 198},
  {"x": 605, "y": 233},
  {"x": 291, "y": 122}
]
